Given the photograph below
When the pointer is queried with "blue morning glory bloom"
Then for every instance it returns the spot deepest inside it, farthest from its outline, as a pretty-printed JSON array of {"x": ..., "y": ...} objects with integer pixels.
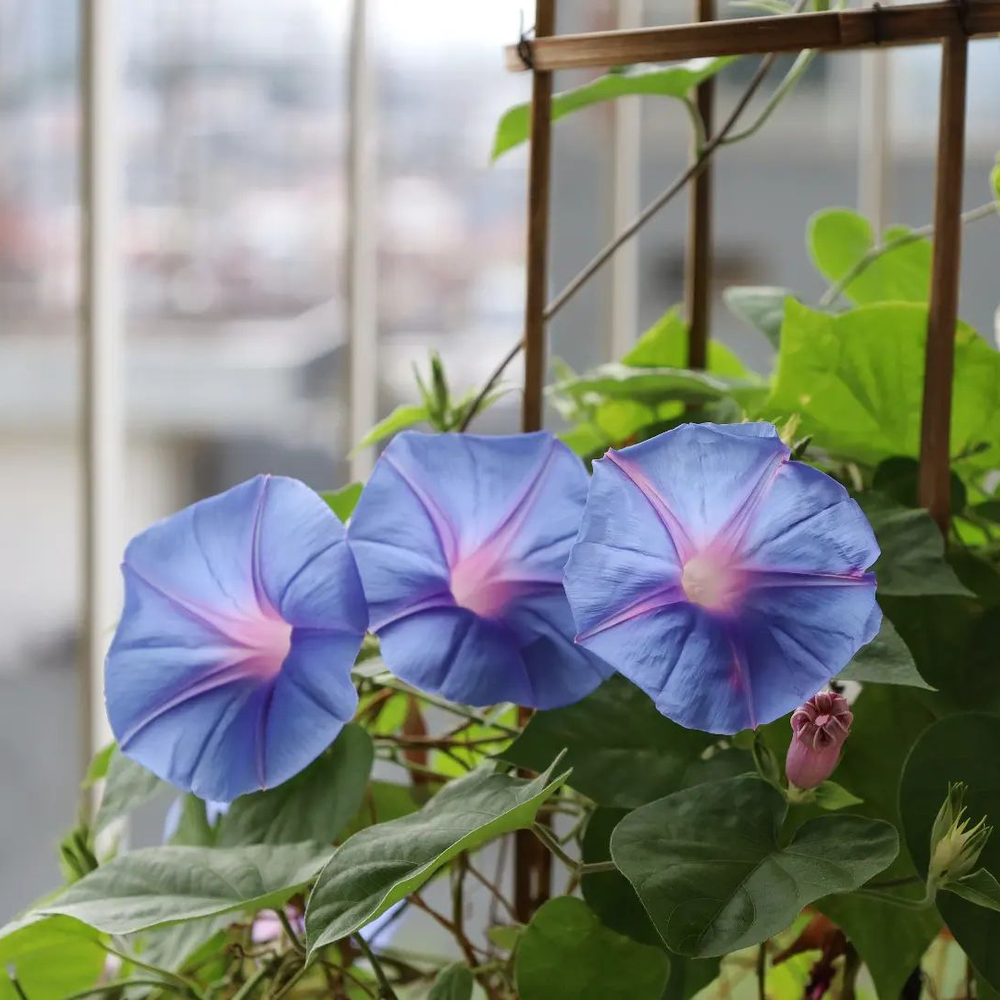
[
  {"x": 244, "y": 613},
  {"x": 723, "y": 579},
  {"x": 461, "y": 542}
]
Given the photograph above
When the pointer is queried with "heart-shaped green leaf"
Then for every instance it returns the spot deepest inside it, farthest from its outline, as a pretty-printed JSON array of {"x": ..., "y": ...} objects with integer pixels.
[
  {"x": 712, "y": 871},
  {"x": 566, "y": 953}
]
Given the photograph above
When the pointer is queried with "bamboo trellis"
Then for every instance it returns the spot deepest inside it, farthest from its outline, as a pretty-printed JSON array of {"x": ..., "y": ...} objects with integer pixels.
[{"x": 950, "y": 24}]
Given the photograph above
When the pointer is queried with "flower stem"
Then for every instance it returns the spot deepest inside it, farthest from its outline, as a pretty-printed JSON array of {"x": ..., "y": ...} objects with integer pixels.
[{"x": 385, "y": 990}]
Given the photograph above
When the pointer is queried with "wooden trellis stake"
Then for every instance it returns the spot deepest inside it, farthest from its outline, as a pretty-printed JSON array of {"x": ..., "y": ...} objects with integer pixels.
[
  {"x": 698, "y": 253},
  {"x": 948, "y": 22}
]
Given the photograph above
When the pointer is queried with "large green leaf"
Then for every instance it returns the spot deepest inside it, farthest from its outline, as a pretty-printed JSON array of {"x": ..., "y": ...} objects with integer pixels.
[
  {"x": 912, "y": 563},
  {"x": 856, "y": 380},
  {"x": 566, "y": 953},
  {"x": 759, "y": 306},
  {"x": 622, "y": 751},
  {"x": 838, "y": 238},
  {"x": 961, "y": 747},
  {"x": 162, "y": 885},
  {"x": 664, "y": 345},
  {"x": 381, "y": 864},
  {"x": 315, "y": 805},
  {"x": 51, "y": 958},
  {"x": 890, "y": 939},
  {"x": 127, "y": 785},
  {"x": 714, "y": 876},
  {"x": 668, "y": 81},
  {"x": 885, "y": 660}
]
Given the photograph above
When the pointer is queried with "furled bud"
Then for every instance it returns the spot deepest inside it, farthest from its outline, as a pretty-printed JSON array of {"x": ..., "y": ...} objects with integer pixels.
[
  {"x": 819, "y": 728},
  {"x": 955, "y": 843}
]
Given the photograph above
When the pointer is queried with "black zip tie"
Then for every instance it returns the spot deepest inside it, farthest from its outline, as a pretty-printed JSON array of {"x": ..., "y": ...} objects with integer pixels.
[
  {"x": 963, "y": 16},
  {"x": 877, "y": 22},
  {"x": 524, "y": 52}
]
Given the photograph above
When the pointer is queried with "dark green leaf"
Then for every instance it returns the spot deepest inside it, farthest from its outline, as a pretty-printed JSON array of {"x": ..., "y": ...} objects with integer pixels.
[
  {"x": 453, "y": 982},
  {"x": 885, "y": 660},
  {"x": 857, "y": 379},
  {"x": 912, "y": 563},
  {"x": 710, "y": 870},
  {"x": 176, "y": 945},
  {"x": 126, "y": 786},
  {"x": 839, "y": 238},
  {"x": 896, "y": 477},
  {"x": 622, "y": 751},
  {"x": 163, "y": 885},
  {"x": 689, "y": 976},
  {"x": 891, "y": 940},
  {"x": 193, "y": 827},
  {"x": 609, "y": 894},
  {"x": 759, "y": 306},
  {"x": 315, "y": 805},
  {"x": 566, "y": 953},
  {"x": 961, "y": 747},
  {"x": 343, "y": 501},
  {"x": 400, "y": 418},
  {"x": 380, "y": 865},
  {"x": 51, "y": 958},
  {"x": 670, "y": 81},
  {"x": 383, "y": 801},
  {"x": 980, "y": 887}
]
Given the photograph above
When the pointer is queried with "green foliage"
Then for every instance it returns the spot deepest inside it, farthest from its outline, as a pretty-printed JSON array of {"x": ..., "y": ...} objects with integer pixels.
[
  {"x": 712, "y": 870},
  {"x": 315, "y": 805},
  {"x": 50, "y": 958},
  {"x": 761, "y": 307},
  {"x": 566, "y": 953},
  {"x": 382, "y": 864},
  {"x": 885, "y": 660},
  {"x": 677, "y": 81},
  {"x": 622, "y": 751},
  {"x": 162, "y": 885},
  {"x": 856, "y": 381},
  {"x": 126, "y": 786},
  {"x": 453, "y": 982},
  {"x": 840, "y": 240},
  {"x": 962, "y": 747},
  {"x": 343, "y": 501}
]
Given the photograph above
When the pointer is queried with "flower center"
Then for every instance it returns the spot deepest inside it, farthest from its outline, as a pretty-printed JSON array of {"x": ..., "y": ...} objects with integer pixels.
[
  {"x": 709, "y": 582},
  {"x": 474, "y": 587},
  {"x": 270, "y": 638}
]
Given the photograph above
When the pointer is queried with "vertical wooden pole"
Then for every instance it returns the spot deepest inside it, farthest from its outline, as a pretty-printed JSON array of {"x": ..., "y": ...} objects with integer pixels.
[
  {"x": 102, "y": 416},
  {"x": 698, "y": 258},
  {"x": 532, "y": 861},
  {"x": 539, "y": 165},
  {"x": 935, "y": 458}
]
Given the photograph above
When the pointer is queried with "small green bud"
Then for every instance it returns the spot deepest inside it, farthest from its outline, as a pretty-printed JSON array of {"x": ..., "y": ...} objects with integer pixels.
[{"x": 956, "y": 842}]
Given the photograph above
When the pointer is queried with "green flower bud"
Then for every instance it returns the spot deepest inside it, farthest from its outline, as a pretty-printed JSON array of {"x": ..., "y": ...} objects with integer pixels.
[{"x": 955, "y": 842}]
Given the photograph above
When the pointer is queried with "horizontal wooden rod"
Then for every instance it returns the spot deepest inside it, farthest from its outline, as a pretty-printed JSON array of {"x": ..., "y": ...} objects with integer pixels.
[{"x": 827, "y": 30}]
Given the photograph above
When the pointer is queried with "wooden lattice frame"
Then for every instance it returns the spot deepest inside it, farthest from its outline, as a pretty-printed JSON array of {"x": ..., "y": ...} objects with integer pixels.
[{"x": 950, "y": 23}]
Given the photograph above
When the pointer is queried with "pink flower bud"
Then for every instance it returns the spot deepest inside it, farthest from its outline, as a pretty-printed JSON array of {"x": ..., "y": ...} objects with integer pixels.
[{"x": 819, "y": 728}]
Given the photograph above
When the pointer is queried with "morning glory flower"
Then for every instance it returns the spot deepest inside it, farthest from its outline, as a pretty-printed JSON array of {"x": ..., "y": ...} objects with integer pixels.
[
  {"x": 230, "y": 668},
  {"x": 726, "y": 581},
  {"x": 461, "y": 542}
]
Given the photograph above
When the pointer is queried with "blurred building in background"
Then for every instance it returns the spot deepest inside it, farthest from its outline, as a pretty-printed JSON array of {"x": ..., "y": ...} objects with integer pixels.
[{"x": 236, "y": 125}]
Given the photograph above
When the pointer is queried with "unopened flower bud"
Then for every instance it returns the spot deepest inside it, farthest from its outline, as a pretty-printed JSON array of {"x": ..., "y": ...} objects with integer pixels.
[
  {"x": 819, "y": 728},
  {"x": 955, "y": 843}
]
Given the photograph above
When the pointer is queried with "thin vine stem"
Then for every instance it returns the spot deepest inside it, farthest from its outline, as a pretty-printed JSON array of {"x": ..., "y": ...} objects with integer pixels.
[
  {"x": 189, "y": 986},
  {"x": 115, "y": 987},
  {"x": 698, "y": 165},
  {"x": 385, "y": 990}
]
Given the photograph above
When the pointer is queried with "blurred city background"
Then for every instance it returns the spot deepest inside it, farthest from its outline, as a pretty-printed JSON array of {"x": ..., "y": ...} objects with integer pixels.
[{"x": 236, "y": 119}]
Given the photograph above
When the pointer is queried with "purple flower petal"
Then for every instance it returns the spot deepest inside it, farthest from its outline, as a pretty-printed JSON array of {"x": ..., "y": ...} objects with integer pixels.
[
  {"x": 230, "y": 667},
  {"x": 461, "y": 542},
  {"x": 738, "y": 591}
]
